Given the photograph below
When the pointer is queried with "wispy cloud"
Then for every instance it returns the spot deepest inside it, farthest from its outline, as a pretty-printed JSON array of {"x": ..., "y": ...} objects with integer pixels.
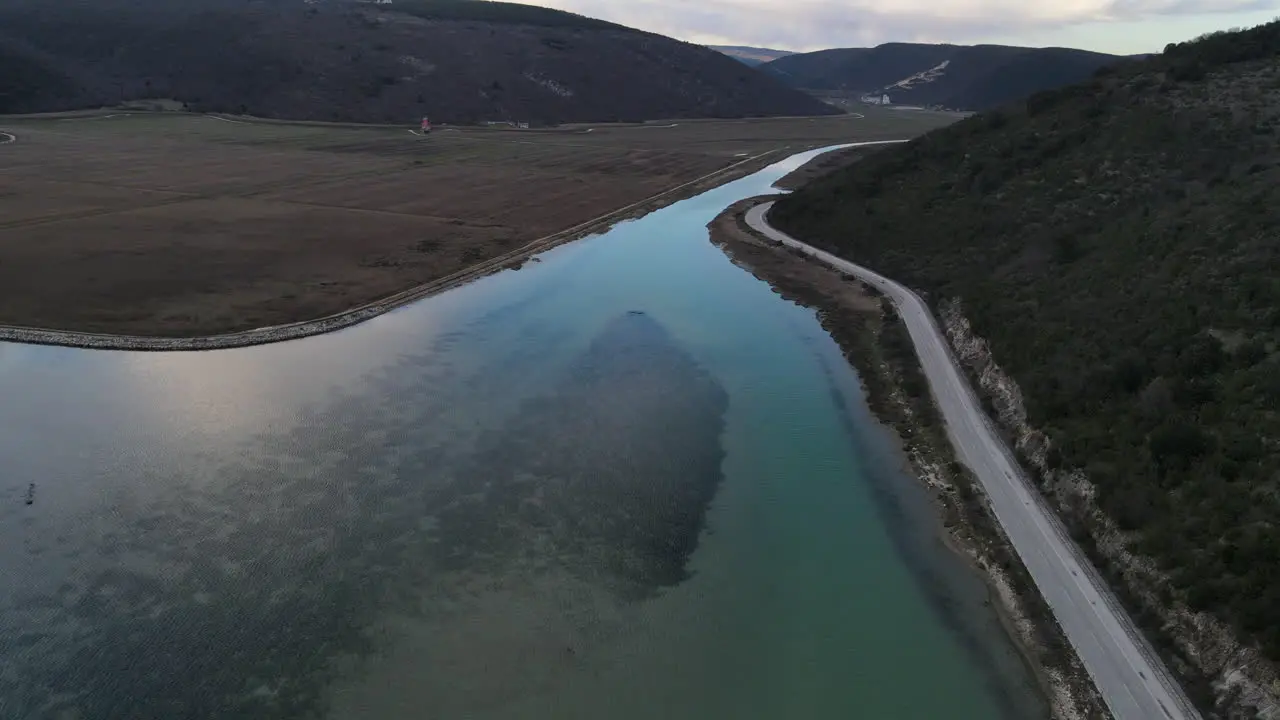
[{"x": 803, "y": 24}]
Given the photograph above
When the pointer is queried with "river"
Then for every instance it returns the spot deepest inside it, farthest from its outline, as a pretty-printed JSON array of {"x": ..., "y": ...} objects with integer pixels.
[{"x": 625, "y": 481}]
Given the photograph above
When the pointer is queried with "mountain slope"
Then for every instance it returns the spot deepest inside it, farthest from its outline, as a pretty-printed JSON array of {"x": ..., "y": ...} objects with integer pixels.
[
  {"x": 455, "y": 60},
  {"x": 752, "y": 56},
  {"x": 1118, "y": 245},
  {"x": 961, "y": 77}
]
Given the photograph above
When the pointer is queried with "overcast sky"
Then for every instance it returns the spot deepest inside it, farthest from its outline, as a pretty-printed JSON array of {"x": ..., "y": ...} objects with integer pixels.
[{"x": 1119, "y": 26}]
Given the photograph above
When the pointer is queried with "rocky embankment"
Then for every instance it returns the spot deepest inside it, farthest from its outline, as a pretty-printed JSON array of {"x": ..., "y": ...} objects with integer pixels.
[{"x": 1215, "y": 666}]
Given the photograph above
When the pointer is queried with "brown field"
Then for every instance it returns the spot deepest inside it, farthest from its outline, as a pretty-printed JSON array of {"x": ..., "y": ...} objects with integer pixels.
[{"x": 180, "y": 225}]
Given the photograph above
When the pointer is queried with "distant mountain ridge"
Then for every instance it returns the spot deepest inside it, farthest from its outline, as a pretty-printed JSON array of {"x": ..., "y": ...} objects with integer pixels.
[
  {"x": 458, "y": 61},
  {"x": 753, "y": 56},
  {"x": 960, "y": 77}
]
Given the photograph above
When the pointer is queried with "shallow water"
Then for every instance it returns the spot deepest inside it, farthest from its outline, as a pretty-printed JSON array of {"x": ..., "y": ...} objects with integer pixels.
[{"x": 626, "y": 481}]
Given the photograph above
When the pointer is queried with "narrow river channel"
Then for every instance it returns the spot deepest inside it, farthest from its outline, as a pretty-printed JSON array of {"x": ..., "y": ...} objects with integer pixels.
[{"x": 625, "y": 481}]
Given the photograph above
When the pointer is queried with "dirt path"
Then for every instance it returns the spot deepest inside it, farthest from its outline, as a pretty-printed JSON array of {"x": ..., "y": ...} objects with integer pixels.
[{"x": 6, "y": 138}]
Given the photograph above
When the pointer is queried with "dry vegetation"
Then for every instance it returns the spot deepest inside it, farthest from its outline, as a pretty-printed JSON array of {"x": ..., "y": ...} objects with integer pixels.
[{"x": 180, "y": 225}]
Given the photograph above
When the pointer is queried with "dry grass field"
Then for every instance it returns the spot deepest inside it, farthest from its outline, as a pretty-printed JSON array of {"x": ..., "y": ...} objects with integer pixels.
[{"x": 181, "y": 225}]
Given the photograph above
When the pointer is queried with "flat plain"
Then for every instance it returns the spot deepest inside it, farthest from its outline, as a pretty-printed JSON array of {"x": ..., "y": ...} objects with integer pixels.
[{"x": 177, "y": 225}]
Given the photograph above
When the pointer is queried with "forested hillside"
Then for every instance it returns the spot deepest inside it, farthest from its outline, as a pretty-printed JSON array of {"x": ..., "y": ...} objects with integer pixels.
[
  {"x": 1118, "y": 244},
  {"x": 960, "y": 77},
  {"x": 458, "y": 61}
]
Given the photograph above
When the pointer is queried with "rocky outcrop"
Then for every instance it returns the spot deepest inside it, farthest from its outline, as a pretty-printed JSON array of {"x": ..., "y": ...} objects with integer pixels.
[{"x": 1243, "y": 684}]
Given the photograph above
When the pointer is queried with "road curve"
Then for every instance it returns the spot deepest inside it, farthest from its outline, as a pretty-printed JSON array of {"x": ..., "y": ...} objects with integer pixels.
[
  {"x": 1128, "y": 674},
  {"x": 6, "y": 138}
]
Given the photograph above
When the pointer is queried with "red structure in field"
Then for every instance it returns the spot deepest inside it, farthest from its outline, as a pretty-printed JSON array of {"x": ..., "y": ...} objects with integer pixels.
[{"x": 426, "y": 125}]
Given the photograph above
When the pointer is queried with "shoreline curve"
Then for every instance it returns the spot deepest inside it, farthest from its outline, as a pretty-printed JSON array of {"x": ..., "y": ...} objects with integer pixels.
[
  {"x": 361, "y": 313},
  {"x": 1127, "y": 672}
]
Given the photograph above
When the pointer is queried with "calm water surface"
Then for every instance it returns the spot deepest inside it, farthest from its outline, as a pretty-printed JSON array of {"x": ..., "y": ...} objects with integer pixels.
[{"x": 626, "y": 481}]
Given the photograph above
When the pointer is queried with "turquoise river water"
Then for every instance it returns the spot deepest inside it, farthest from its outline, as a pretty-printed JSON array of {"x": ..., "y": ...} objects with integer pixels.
[{"x": 625, "y": 481}]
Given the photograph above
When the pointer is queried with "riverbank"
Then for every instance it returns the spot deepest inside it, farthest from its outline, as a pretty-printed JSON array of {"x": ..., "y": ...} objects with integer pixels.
[
  {"x": 875, "y": 342},
  {"x": 511, "y": 260},
  {"x": 172, "y": 231},
  {"x": 399, "y": 496}
]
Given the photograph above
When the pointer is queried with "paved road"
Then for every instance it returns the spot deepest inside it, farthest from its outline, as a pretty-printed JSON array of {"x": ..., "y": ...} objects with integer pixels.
[{"x": 1131, "y": 679}]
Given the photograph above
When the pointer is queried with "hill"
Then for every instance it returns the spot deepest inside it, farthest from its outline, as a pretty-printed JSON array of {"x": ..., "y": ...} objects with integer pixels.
[
  {"x": 752, "y": 56},
  {"x": 459, "y": 61},
  {"x": 958, "y": 77},
  {"x": 1117, "y": 244}
]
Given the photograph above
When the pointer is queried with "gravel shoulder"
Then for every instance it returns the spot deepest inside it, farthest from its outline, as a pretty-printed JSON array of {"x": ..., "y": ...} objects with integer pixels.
[{"x": 1126, "y": 671}]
